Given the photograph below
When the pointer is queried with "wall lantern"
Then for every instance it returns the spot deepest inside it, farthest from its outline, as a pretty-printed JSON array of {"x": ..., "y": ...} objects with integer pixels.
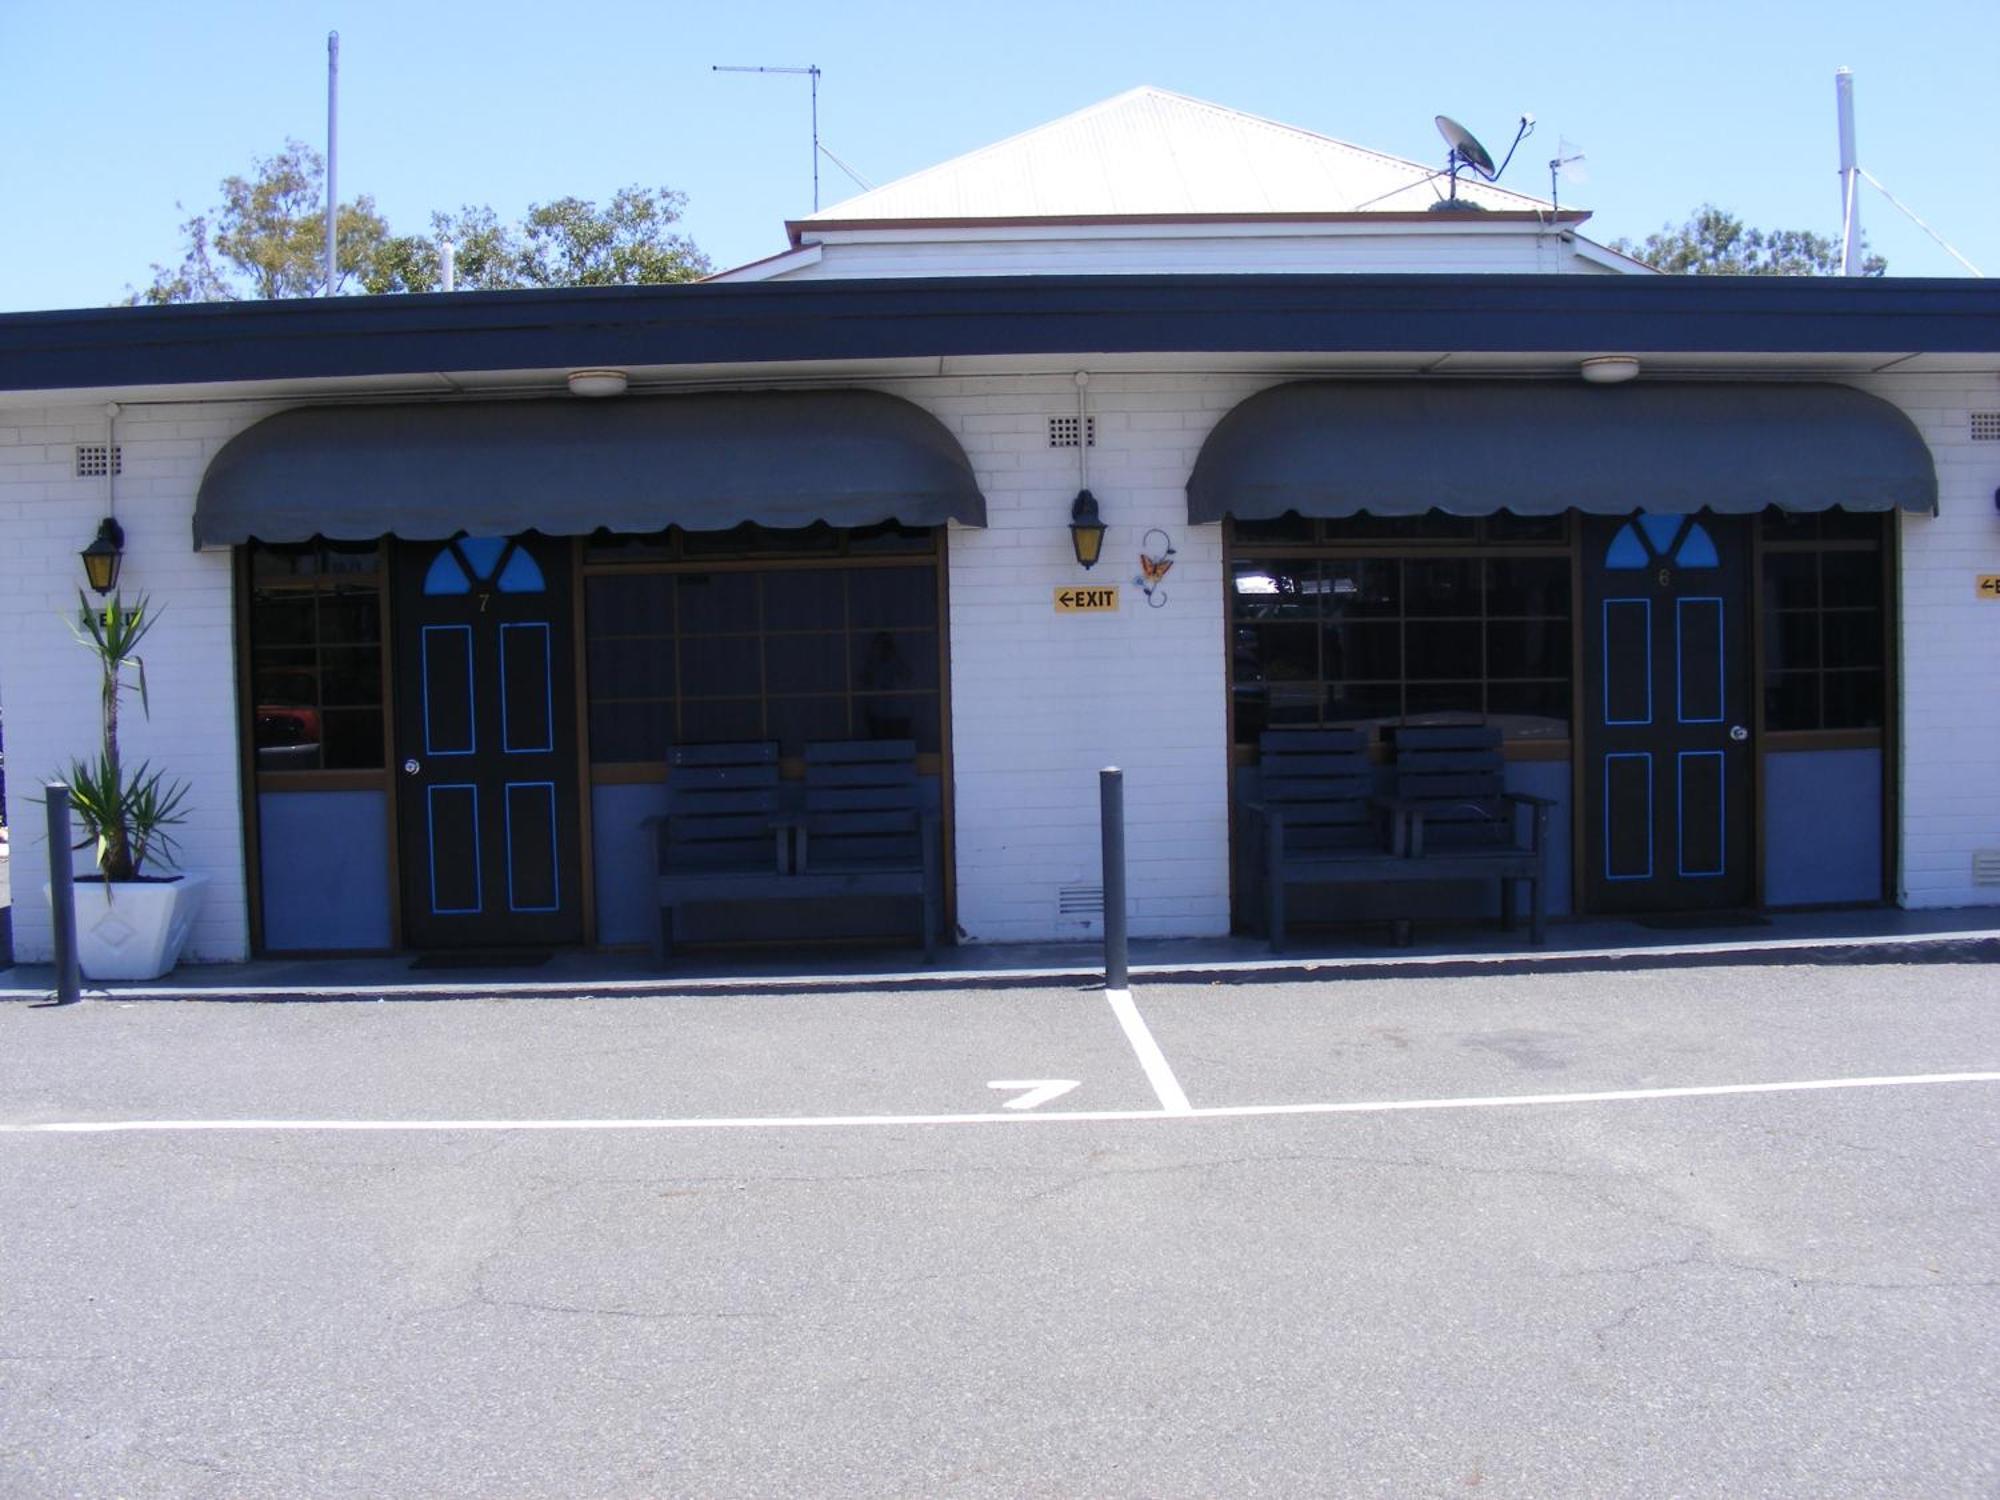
[
  {"x": 1086, "y": 531},
  {"x": 102, "y": 557}
]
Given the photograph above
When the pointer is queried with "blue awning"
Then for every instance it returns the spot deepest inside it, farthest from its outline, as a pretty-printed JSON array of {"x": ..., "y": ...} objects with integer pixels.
[
  {"x": 1338, "y": 447},
  {"x": 567, "y": 467}
]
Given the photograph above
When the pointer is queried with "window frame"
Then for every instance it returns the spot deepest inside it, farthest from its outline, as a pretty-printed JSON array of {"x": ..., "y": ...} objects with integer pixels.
[
  {"x": 1480, "y": 546},
  {"x": 1884, "y": 546},
  {"x": 672, "y": 559},
  {"x": 249, "y": 586}
]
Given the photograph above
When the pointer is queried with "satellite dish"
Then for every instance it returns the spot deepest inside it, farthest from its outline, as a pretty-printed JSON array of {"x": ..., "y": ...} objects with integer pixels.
[{"x": 1465, "y": 149}]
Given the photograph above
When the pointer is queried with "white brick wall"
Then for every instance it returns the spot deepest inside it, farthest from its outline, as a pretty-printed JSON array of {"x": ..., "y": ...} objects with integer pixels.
[
  {"x": 1041, "y": 701},
  {"x": 47, "y": 686},
  {"x": 1950, "y": 663}
]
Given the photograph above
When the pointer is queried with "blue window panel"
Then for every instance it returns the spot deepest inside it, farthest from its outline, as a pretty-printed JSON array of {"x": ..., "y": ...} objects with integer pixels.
[
  {"x": 1628, "y": 816},
  {"x": 1702, "y": 796},
  {"x": 1628, "y": 661},
  {"x": 522, "y": 575},
  {"x": 1660, "y": 531},
  {"x": 1626, "y": 550},
  {"x": 534, "y": 878},
  {"x": 1698, "y": 549},
  {"x": 449, "y": 715},
  {"x": 1698, "y": 660},
  {"x": 482, "y": 553},
  {"x": 446, "y": 575},
  {"x": 527, "y": 697},
  {"x": 453, "y": 834}
]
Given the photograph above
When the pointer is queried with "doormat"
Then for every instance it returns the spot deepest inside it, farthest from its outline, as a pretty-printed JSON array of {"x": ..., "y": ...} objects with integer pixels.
[
  {"x": 508, "y": 958},
  {"x": 1685, "y": 921}
]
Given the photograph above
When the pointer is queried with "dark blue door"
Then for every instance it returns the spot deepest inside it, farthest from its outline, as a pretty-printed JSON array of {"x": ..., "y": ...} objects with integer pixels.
[
  {"x": 486, "y": 744},
  {"x": 1666, "y": 814}
]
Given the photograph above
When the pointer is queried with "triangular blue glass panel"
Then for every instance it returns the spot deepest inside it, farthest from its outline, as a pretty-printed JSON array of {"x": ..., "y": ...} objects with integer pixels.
[
  {"x": 1660, "y": 530},
  {"x": 1626, "y": 550},
  {"x": 522, "y": 575},
  {"x": 1697, "y": 549},
  {"x": 446, "y": 575},
  {"x": 483, "y": 552}
]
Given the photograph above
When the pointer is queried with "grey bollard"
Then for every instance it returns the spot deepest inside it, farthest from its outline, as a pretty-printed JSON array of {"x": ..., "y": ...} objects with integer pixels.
[
  {"x": 62, "y": 895},
  {"x": 1111, "y": 802}
]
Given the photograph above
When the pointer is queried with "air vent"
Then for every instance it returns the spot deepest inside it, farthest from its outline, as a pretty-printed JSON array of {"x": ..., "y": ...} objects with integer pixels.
[
  {"x": 1080, "y": 900},
  {"x": 94, "y": 460},
  {"x": 1062, "y": 432},
  {"x": 1986, "y": 427},
  {"x": 1986, "y": 866}
]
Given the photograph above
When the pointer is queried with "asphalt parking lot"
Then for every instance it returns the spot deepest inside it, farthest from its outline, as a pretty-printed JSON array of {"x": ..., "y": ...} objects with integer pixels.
[{"x": 1668, "y": 1232}]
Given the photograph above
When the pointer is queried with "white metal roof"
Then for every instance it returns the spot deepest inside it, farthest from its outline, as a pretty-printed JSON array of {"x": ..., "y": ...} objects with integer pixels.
[{"x": 1151, "y": 152}]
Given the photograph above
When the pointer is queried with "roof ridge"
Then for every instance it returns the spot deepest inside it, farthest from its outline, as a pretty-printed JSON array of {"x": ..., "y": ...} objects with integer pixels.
[
  {"x": 854, "y": 206},
  {"x": 991, "y": 146}
]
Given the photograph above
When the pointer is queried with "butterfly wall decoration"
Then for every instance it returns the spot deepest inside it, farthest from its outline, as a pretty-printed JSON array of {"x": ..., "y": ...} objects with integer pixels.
[{"x": 1154, "y": 563}]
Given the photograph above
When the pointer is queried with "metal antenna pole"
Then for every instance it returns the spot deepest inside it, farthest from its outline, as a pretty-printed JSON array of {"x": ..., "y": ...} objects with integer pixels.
[
  {"x": 332, "y": 157},
  {"x": 1850, "y": 196},
  {"x": 811, "y": 70}
]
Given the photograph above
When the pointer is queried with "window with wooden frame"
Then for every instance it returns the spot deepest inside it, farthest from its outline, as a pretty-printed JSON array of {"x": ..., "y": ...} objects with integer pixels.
[
  {"x": 819, "y": 633},
  {"x": 315, "y": 656},
  {"x": 1823, "y": 590},
  {"x": 1367, "y": 621}
]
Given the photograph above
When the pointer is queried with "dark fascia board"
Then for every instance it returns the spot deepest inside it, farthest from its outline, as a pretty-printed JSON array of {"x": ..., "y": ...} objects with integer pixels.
[{"x": 832, "y": 320}]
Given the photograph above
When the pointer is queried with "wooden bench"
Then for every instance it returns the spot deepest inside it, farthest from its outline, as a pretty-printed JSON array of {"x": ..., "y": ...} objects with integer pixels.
[
  {"x": 1322, "y": 823},
  {"x": 723, "y": 836},
  {"x": 1455, "y": 817},
  {"x": 733, "y": 831},
  {"x": 865, "y": 830}
]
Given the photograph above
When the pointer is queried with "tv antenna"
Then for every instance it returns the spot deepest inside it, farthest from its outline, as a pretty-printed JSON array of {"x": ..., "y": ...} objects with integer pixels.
[
  {"x": 1467, "y": 152},
  {"x": 1565, "y": 166},
  {"x": 810, "y": 70}
]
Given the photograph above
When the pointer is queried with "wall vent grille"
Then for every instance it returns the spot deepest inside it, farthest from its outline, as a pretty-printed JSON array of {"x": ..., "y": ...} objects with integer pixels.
[
  {"x": 1986, "y": 427},
  {"x": 94, "y": 460},
  {"x": 1080, "y": 900},
  {"x": 1062, "y": 432},
  {"x": 1986, "y": 867}
]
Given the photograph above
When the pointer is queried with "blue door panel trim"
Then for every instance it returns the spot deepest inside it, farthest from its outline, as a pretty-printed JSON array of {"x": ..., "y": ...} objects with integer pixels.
[
  {"x": 431, "y": 746},
  {"x": 1641, "y": 755},
  {"x": 1721, "y": 812},
  {"x": 1646, "y": 635},
  {"x": 1680, "y": 663},
  {"x": 507, "y": 744},
  {"x": 555, "y": 863},
  {"x": 430, "y": 830}
]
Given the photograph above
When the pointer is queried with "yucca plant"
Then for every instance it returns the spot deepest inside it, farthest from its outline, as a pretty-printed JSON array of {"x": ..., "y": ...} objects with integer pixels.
[{"x": 126, "y": 815}]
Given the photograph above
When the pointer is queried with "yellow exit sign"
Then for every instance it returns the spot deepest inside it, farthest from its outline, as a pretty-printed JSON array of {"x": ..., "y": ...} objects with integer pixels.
[
  {"x": 1074, "y": 601},
  {"x": 1989, "y": 585}
]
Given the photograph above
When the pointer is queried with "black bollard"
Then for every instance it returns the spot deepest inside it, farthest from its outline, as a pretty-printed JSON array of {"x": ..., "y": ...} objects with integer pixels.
[
  {"x": 1111, "y": 801},
  {"x": 62, "y": 895}
]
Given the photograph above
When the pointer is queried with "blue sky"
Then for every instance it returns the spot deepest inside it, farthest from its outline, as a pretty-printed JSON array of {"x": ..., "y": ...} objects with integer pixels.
[{"x": 114, "y": 112}]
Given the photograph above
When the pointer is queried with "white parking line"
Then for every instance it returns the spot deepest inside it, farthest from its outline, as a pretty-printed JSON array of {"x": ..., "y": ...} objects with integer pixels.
[
  {"x": 1151, "y": 1058},
  {"x": 821, "y": 1122}
]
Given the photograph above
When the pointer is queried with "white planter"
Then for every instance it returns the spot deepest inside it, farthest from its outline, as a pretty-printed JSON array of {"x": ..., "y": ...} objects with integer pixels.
[{"x": 134, "y": 929}]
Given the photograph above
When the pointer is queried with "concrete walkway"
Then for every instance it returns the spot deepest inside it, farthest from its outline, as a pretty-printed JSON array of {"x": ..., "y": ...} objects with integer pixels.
[{"x": 1874, "y": 934}]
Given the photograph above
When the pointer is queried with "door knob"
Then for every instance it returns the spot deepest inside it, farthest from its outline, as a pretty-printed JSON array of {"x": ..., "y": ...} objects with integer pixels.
[
  {"x": 1736, "y": 732},
  {"x": 411, "y": 767}
]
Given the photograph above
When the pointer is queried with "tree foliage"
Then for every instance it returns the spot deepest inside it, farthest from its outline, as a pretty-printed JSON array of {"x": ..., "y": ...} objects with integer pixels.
[
  {"x": 1715, "y": 243},
  {"x": 267, "y": 239}
]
